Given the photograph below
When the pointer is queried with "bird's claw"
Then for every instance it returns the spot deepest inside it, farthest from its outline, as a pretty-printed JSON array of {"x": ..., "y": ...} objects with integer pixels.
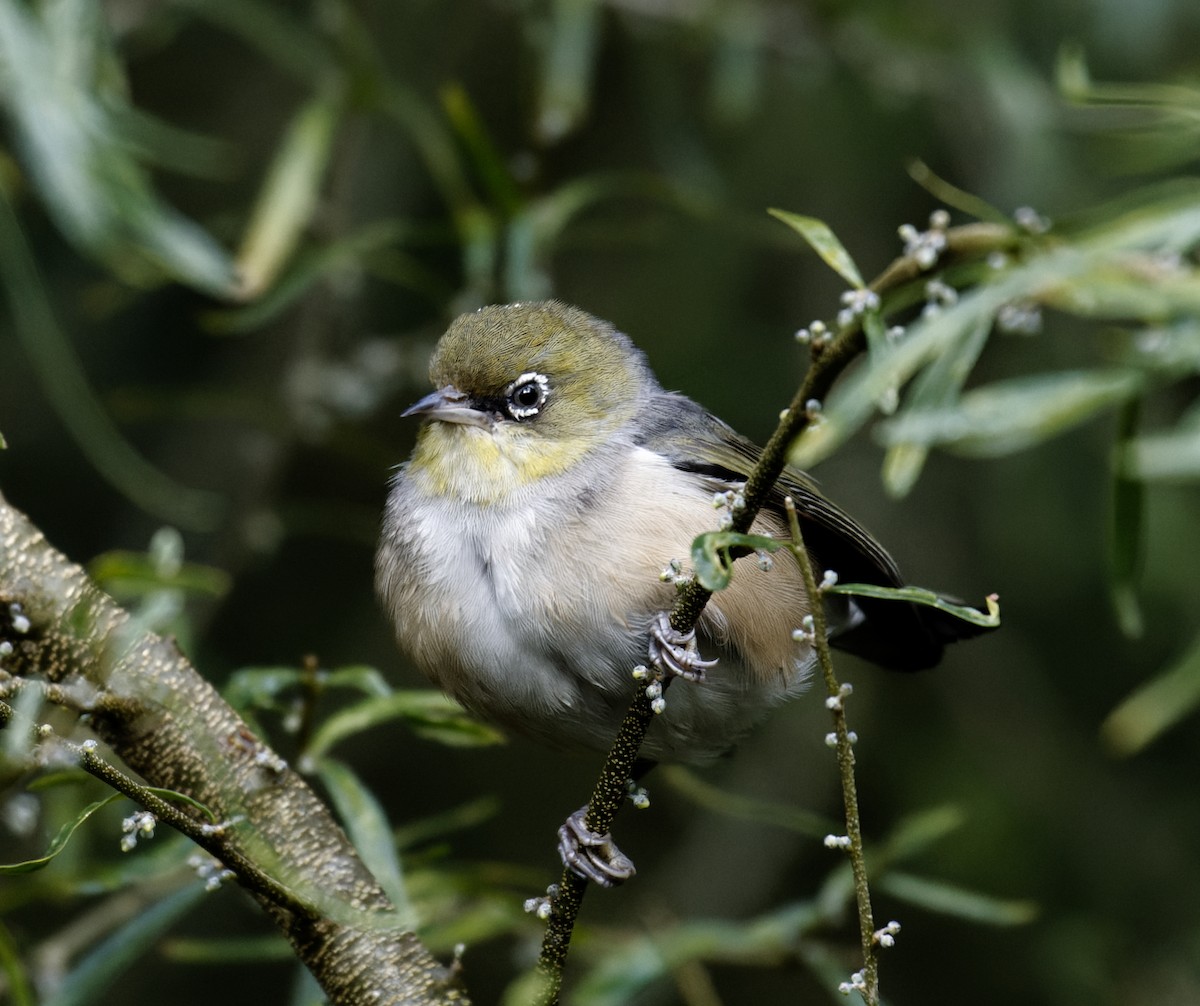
[
  {"x": 675, "y": 653},
  {"x": 592, "y": 856}
]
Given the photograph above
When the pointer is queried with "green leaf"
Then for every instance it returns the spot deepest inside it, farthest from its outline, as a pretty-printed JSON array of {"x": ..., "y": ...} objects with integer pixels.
[
  {"x": 747, "y": 808},
  {"x": 571, "y": 35},
  {"x": 1126, "y": 528},
  {"x": 66, "y": 385},
  {"x": 135, "y": 574},
  {"x": 20, "y": 988},
  {"x": 936, "y": 387},
  {"x": 89, "y": 981},
  {"x": 60, "y": 840},
  {"x": 712, "y": 557},
  {"x": 489, "y": 164},
  {"x": 949, "y": 899},
  {"x": 289, "y": 195},
  {"x": 1166, "y": 456},
  {"x": 921, "y": 829},
  {"x": 368, "y": 827},
  {"x": 428, "y": 714},
  {"x": 227, "y": 949},
  {"x": 1156, "y": 706},
  {"x": 1009, "y": 416},
  {"x": 919, "y": 595},
  {"x": 825, "y": 243},
  {"x": 465, "y": 815},
  {"x": 953, "y": 196},
  {"x": 854, "y": 400},
  {"x": 92, "y": 184},
  {"x": 360, "y": 678}
]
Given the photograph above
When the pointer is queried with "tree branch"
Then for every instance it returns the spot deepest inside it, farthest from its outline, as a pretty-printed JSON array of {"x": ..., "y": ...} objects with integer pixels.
[{"x": 172, "y": 728}]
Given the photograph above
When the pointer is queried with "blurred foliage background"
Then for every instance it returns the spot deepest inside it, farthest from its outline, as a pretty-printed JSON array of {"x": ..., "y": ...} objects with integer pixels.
[{"x": 230, "y": 232}]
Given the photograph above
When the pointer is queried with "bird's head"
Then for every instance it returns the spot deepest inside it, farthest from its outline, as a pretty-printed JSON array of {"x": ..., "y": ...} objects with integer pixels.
[{"x": 524, "y": 392}]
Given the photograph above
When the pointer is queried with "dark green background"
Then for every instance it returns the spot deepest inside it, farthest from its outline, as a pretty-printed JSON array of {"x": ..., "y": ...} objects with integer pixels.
[{"x": 729, "y": 109}]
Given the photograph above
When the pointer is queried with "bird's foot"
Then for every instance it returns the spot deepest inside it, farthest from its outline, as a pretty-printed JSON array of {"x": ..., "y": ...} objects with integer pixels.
[
  {"x": 674, "y": 653},
  {"x": 592, "y": 856}
]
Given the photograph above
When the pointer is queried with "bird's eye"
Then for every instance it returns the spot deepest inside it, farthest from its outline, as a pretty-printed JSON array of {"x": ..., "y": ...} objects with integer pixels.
[{"x": 526, "y": 395}]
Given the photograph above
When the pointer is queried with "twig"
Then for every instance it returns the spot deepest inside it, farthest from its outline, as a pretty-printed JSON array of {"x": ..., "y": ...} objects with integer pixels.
[
  {"x": 845, "y": 759},
  {"x": 826, "y": 365}
]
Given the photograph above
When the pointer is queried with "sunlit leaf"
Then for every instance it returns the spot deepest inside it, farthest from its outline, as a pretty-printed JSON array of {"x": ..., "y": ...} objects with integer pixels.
[
  {"x": 1012, "y": 415},
  {"x": 919, "y": 595},
  {"x": 367, "y": 824},
  {"x": 825, "y": 243},
  {"x": 949, "y": 899},
  {"x": 712, "y": 555},
  {"x": 288, "y": 196},
  {"x": 1156, "y": 706}
]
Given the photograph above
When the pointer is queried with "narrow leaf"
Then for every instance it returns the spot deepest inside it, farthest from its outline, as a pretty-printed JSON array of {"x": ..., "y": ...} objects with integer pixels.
[
  {"x": 95, "y": 974},
  {"x": 1009, "y": 416},
  {"x": 368, "y": 827},
  {"x": 60, "y": 840},
  {"x": 1156, "y": 706},
  {"x": 919, "y": 595},
  {"x": 825, "y": 243},
  {"x": 1126, "y": 528},
  {"x": 428, "y": 714},
  {"x": 20, "y": 988},
  {"x": 936, "y": 387},
  {"x": 953, "y": 196},
  {"x": 289, "y": 195},
  {"x": 747, "y": 808},
  {"x": 949, "y": 899},
  {"x": 1164, "y": 456}
]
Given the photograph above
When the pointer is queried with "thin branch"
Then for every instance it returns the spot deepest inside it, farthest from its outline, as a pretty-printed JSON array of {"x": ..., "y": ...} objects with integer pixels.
[
  {"x": 845, "y": 759},
  {"x": 826, "y": 365}
]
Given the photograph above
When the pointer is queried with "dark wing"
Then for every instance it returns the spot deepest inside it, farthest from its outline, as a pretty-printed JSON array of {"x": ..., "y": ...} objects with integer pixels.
[{"x": 893, "y": 634}]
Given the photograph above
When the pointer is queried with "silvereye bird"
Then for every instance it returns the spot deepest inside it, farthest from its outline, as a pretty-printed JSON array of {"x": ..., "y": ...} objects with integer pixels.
[{"x": 524, "y": 541}]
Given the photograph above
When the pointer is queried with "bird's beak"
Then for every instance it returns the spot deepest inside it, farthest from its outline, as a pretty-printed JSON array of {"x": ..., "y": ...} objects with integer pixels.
[{"x": 449, "y": 405}]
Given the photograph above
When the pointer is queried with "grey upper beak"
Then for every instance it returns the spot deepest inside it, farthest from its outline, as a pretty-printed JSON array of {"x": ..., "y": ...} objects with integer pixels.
[{"x": 449, "y": 405}]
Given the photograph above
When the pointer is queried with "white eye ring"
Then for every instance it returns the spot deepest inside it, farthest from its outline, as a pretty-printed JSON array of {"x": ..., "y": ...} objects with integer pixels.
[{"x": 518, "y": 400}]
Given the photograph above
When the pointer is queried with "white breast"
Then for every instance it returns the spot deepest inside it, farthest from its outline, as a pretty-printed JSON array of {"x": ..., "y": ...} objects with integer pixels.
[{"x": 533, "y": 613}]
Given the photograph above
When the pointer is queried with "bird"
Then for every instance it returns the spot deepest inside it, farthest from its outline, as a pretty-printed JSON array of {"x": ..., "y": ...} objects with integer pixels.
[{"x": 531, "y": 543}]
